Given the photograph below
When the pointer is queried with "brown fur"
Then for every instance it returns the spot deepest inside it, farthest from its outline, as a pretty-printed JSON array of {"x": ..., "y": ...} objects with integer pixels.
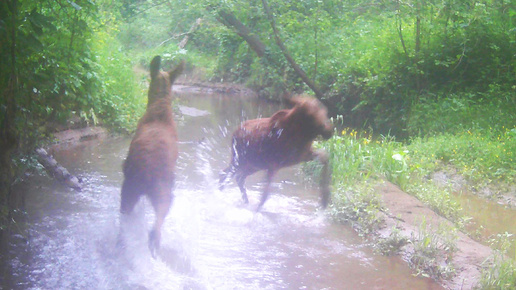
[
  {"x": 149, "y": 167},
  {"x": 282, "y": 140}
]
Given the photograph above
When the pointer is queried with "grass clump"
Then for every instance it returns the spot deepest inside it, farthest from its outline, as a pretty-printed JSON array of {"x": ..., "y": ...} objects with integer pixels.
[
  {"x": 358, "y": 162},
  {"x": 500, "y": 271},
  {"x": 439, "y": 199},
  {"x": 433, "y": 250},
  {"x": 358, "y": 205},
  {"x": 392, "y": 244}
]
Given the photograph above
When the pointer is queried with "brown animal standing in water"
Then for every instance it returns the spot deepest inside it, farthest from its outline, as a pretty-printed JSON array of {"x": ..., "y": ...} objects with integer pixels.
[
  {"x": 149, "y": 167},
  {"x": 282, "y": 140}
]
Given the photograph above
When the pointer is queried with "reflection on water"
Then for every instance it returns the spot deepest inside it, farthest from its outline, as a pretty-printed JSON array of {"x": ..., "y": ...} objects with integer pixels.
[
  {"x": 488, "y": 218},
  {"x": 210, "y": 239}
]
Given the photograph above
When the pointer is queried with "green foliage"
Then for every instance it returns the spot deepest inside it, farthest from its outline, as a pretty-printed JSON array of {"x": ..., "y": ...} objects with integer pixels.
[
  {"x": 51, "y": 58},
  {"x": 119, "y": 100},
  {"x": 58, "y": 61},
  {"x": 439, "y": 199},
  {"x": 149, "y": 28},
  {"x": 359, "y": 163},
  {"x": 67, "y": 62},
  {"x": 381, "y": 65},
  {"x": 484, "y": 158},
  {"x": 489, "y": 113},
  {"x": 467, "y": 51}
]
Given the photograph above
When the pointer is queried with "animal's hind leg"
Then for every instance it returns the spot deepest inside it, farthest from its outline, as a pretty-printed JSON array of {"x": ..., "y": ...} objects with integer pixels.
[
  {"x": 129, "y": 197},
  {"x": 265, "y": 194},
  {"x": 161, "y": 201},
  {"x": 228, "y": 172},
  {"x": 240, "y": 178}
]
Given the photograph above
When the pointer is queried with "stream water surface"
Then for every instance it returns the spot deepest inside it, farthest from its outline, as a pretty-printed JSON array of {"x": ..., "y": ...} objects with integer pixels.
[{"x": 210, "y": 239}]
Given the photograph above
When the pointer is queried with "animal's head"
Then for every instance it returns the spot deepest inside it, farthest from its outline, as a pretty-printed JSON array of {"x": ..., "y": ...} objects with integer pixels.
[
  {"x": 161, "y": 81},
  {"x": 314, "y": 115}
]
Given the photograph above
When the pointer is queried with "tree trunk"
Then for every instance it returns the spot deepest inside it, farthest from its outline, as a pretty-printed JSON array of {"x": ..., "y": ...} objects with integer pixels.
[
  {"x": 400, "y": 31},
  {"x": 316, "y": 43},
  {"x": 418, "y": 45},
  {"x": 8, "y": 132}
]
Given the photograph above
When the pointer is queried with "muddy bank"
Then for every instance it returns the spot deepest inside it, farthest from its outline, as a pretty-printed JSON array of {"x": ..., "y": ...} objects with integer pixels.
[
  {"x": 73, "y": 137},
  {"x": 501, "y": 194},
  {"x": 66, "y": 139},
  {"x": 214, "y": 88},
  {"x": 406, "y": 213}
]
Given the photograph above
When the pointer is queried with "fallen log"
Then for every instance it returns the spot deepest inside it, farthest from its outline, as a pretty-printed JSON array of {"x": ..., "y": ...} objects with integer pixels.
[{"x": 57, "y": 171}]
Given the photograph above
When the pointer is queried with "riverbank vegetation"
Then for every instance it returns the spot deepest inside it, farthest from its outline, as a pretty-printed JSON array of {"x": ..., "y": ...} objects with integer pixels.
[
  {"x": 433, "y": 83},
  {"x": 362, "y": 162}
]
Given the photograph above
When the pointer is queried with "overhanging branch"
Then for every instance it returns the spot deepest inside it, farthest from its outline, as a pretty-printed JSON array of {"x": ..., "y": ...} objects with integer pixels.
[{"x": 299, "y": 71}]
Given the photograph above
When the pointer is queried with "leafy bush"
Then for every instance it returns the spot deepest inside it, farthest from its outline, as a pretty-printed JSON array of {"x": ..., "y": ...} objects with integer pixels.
[
  {"x": 488, "y": 113},
  {"x": 120, "y": 101}
]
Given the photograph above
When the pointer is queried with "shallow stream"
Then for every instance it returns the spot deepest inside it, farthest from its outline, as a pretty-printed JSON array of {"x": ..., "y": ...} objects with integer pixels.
[{"x": 210, "y": 239}]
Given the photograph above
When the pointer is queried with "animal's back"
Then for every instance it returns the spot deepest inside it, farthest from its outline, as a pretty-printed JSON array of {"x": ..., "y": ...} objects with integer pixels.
[
  {"x": 265, "y": 143},
  {"x": 152, "y": 154}
]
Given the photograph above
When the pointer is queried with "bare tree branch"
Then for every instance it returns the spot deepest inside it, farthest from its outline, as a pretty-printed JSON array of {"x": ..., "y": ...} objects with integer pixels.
[
  {"x": 194, "y": 27},
  {"x": 230, "y": 21},
  {"x": 186, "y": 35},
  {"x": 300, "y": 72}
]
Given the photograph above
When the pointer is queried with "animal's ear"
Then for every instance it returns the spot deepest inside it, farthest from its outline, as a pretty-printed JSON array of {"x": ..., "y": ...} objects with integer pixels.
[
  {"x": 293, "y": 100},
  {"x": 154, "y": 66},
  {"x": 174, "y": 73},
  {"x": 286, "y": 97}
]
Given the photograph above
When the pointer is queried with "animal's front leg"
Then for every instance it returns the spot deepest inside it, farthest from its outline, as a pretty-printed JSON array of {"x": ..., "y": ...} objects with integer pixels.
[
  {"x": 223, "y": 176},
  {"x": 240, "y": 178},
  {"x": 322, "y": 157},
  {"x": 265, "y": 194}
]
